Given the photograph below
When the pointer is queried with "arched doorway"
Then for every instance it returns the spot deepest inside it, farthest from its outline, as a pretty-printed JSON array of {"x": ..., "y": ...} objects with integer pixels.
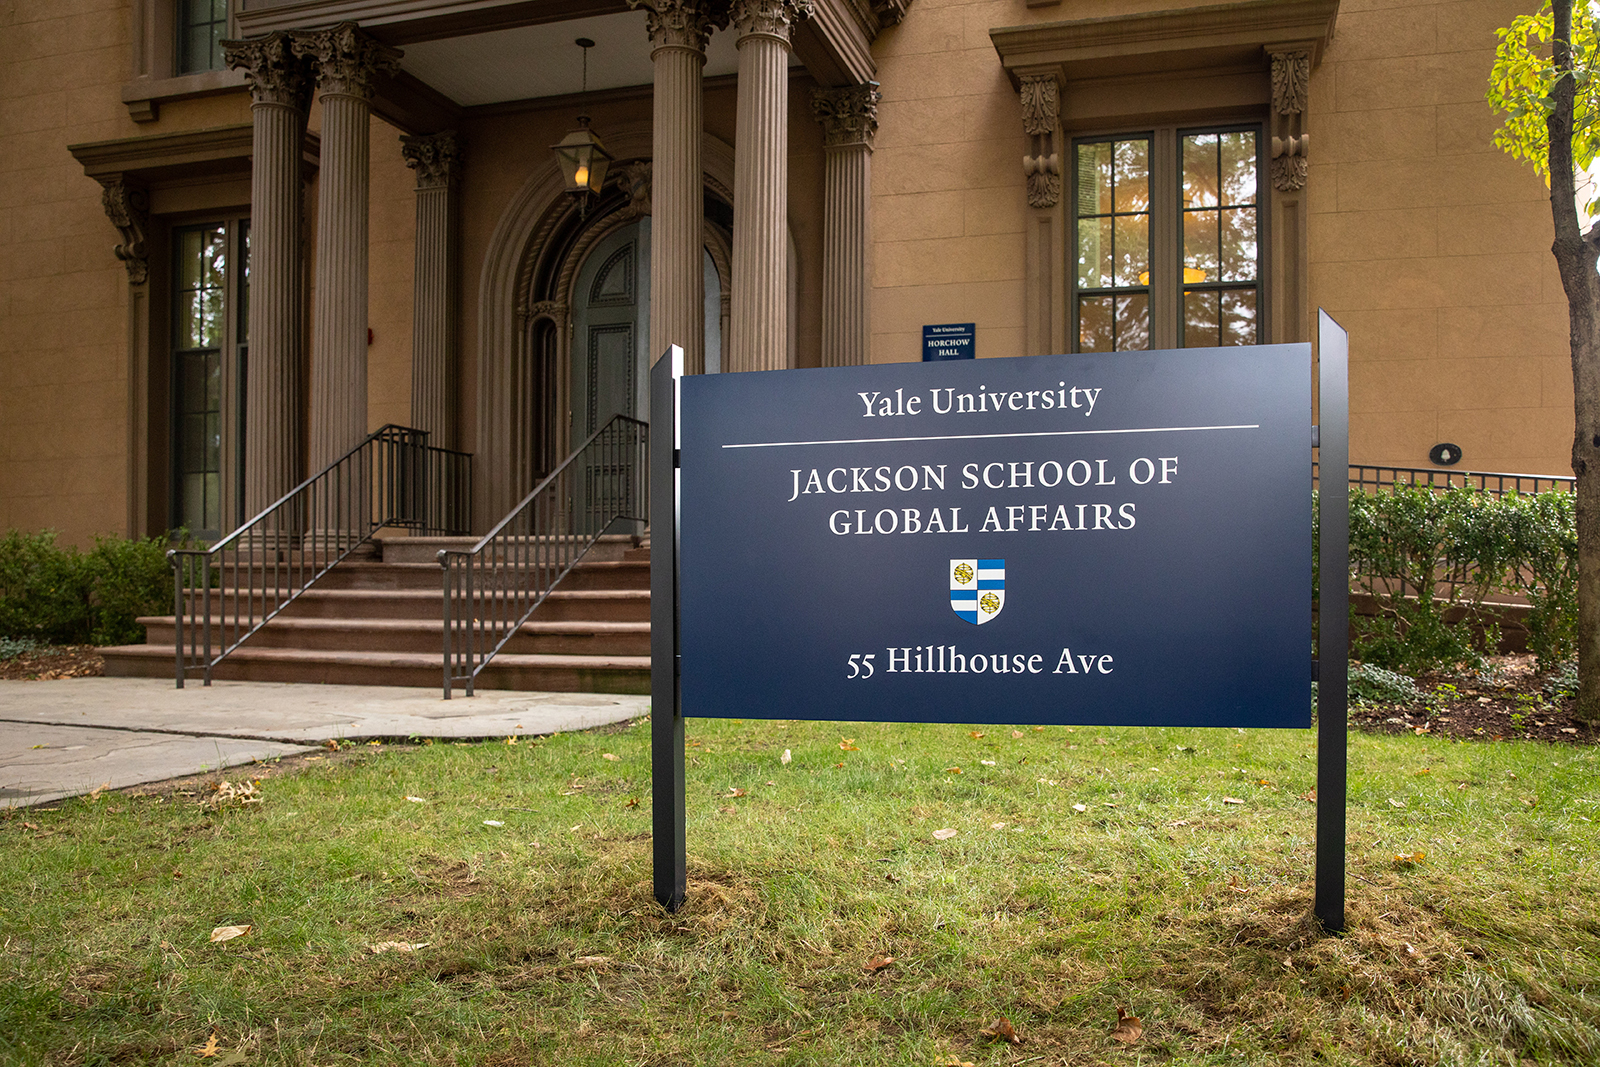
[{"x": 611, "y": 329}]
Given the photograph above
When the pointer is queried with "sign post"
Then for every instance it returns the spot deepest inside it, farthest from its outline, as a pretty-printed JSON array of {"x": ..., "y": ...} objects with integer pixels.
[
  {"x": 1333, "y": 633},
  {"x": 666, "y": 707}
]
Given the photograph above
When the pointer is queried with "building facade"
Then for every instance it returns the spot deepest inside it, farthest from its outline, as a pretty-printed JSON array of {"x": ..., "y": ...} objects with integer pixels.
[{"x": 237, "y": 235}]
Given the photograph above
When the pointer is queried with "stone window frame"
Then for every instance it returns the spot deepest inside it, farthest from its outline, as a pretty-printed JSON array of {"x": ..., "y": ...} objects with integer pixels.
[
  {"x": 1166, "y": 288},
  {"x": 151, "y": 185},
  {"x": 155, "y": 62},
  {"x": 1180, "y": 67}
]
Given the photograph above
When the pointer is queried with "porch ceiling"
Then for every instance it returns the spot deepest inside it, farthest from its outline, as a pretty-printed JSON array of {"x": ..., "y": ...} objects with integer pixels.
[{"x": 528, "y": 62}]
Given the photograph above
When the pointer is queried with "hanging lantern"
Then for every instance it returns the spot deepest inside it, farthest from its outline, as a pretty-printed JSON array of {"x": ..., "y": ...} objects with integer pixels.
[{"x": 583, "y": 160}]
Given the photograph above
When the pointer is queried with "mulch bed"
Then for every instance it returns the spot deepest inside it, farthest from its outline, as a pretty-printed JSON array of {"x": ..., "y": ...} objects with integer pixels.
[
  {"x": 1505, "y": 702},
  {"x": 50, "y": 663}
]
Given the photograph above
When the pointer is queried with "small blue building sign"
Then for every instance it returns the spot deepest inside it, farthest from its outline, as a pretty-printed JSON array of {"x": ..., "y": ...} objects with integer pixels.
[{"x": 951, "y": 340}]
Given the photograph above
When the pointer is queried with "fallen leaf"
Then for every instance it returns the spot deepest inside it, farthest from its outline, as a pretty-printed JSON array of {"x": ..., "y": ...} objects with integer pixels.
[
  {"x": 397, "y": 946},
  {"x": 997, "y": 826},
  {"x": 975, "y": 734},
  {"x": 1232, "y": 800},
  {"x": 209, "y": 1048},
  {"x": 1411, "y": 950},
  {"x": 1001, "y": 1030},
  {"x": 29, "y": 826},
  {"x": 1409, "y": 857},
  {"x": 612, "y": 756},
  {"x": 1016, "y": 733},
  {"x": 1309, "y": 795},
  {"x": 1179, "y": 822},
  {"x": 987, "y": 762},
  {"x": 1129, "y": 1028},
  {"x": 631, "y": 802},
  {"x": 954, "y": 1061},
  {"x": 734, "y": 792},
  {"x": 728, "y": 811},
  {"x": 945, "y": 834},
  {"x": 1569, "y": 729},
  {"x": 493, "y": 822},
  {"x": 228, "y": 933},
  {"x": 849, "y": 744},
  {"x": 417, "y": 800},
  {"x": 1425, "y": 770},
  {"x": 877, "y": 963},
  {"x": 1233, "y": 884},
  {"x": 786, "y": 757},
  {"x": 1100, "y": 741},
  {"x": 1393, "y": 803},
  {"x": 952, "y": 770},
  {"x": 1038, "y": 729},
  {"x": 1080, "y": 807}
]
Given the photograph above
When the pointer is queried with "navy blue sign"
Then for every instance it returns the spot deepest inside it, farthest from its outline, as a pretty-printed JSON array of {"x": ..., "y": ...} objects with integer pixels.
[
  {"x": 1099, "y": 539},
  {"x": 953, "y": 340}
]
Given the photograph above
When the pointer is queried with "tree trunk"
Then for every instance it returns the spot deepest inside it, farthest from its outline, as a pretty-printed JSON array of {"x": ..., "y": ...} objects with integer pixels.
[{"x": 1575, "y": 258}]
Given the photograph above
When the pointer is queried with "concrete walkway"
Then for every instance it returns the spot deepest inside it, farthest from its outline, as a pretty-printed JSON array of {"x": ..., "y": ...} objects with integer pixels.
[{"x": 68, "y": 737}]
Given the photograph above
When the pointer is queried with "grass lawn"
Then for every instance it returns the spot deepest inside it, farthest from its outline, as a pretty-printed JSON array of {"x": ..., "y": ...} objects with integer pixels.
[{"x": 1164, "y": 871}]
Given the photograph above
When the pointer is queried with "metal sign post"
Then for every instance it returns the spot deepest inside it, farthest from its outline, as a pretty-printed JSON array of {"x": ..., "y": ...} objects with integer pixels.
[
  {"x": 1333, "y": 635},
  {"x": 666, "y": 708}
]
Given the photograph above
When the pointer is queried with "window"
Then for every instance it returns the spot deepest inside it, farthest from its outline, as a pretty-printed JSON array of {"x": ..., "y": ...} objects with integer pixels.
[
  {"x": 202, "y": 24},
  {"x": 209, "y": 288},
  {"x": 1167, "y": 235}
]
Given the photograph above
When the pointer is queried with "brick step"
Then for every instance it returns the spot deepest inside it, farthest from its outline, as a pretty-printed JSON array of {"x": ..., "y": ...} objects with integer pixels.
[
  {"x": 601, "y": 605},
  {"x": 547, "y": 673},
  {"x": 426, "y": 549},
  {"x": 425, "y": 636},
  {"x": 609, "y": 574}
]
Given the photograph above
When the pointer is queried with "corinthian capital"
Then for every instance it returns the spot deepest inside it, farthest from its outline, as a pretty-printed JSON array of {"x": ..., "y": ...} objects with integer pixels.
[
  {"x": 769, "y": 18},
  {"x": 346, "y": 58},
  {"x": 277, "y": 75},
  {"x": 848, "y": 115},
  {"x": 682, "y": 23},
  {"x": 436, "y": 157}
]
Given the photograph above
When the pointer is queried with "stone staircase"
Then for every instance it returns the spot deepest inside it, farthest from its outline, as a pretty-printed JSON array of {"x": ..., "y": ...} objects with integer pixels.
[{"x": 377, "y": 620}]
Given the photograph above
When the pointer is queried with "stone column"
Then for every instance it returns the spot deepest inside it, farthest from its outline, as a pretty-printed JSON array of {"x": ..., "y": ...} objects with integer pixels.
[
  {"x": 849, "y": 118},
  {"x": 760, "y": 324},
  {"x": 436, "y": 159},
  {"x": 279, "y": 96},
  {"x": 679, "y": 30},
  {"x": 345, "y": 60}
]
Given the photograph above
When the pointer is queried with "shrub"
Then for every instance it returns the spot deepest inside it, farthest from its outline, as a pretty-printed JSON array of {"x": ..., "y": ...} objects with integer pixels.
[
  {"x": 55, "y": 595},
  {"x": 44, "y": 590},
  {"x": 1374, "y": 685},
  {"x": 130, "y": 579}
]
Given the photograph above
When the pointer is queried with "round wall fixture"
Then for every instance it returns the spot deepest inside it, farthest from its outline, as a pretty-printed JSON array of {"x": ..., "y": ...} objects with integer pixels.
[{"x": 1445, "y": 455}]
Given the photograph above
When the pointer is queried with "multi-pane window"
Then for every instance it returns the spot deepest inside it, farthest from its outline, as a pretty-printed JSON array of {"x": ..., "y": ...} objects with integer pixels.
[
  {"x": 202, "y": 25},
  {"x": 1167, "y": 238},
  {"x": 1113, "y": 198},
  {"x": 208, "y": 351},
  {"x": 1221, "y": 245}
]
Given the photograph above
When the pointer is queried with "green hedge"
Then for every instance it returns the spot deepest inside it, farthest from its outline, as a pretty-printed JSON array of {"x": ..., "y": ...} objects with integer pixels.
[
  {"x": 1430, "y": 557},
  {"x": 61, "y": 596}
]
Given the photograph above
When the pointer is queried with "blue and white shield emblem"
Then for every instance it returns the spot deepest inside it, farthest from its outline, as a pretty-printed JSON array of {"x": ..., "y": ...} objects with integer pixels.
[{"x": 977, "y": 588}]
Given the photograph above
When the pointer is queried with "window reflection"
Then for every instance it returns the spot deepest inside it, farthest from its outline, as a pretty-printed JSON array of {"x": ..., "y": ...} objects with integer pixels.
[
  {"x": 1221, "y": 245},
  {"x": 1112, "y": 225}
]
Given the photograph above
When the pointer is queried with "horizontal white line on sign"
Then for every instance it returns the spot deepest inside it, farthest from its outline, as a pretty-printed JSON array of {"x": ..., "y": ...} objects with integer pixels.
[{"x": 990, "y": 436}]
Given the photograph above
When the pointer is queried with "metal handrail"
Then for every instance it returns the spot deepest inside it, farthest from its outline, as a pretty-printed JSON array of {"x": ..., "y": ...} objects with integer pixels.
[
  {"x": 492, "y": 588},
  {"x": 223, "y": 594}
]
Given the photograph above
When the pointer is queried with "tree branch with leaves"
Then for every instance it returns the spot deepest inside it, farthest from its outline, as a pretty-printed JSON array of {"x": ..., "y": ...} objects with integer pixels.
[{"x": 1543, "y": 83}]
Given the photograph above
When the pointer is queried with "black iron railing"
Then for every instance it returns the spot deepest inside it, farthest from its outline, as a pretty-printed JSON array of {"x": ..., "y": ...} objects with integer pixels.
[
  {"x": 1373, "y": 478},
  {"x": 393, "y": 479},
  {"x": 492, "y": 588}
]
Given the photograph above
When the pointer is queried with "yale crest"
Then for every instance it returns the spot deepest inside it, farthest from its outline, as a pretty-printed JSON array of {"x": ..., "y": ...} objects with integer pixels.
[{"x": 977, "y": 588}]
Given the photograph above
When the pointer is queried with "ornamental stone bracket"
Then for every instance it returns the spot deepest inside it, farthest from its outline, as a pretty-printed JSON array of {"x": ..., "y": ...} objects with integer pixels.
[
  {"x": 1041, "y": 121},
  {"x": 1291, "y": 78},
  {"x": 436, "y": 157},
  {"x": 128, "y": 208},
  {"x": 849, "y": 116},
  {"x": 635, "y": 179}
]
